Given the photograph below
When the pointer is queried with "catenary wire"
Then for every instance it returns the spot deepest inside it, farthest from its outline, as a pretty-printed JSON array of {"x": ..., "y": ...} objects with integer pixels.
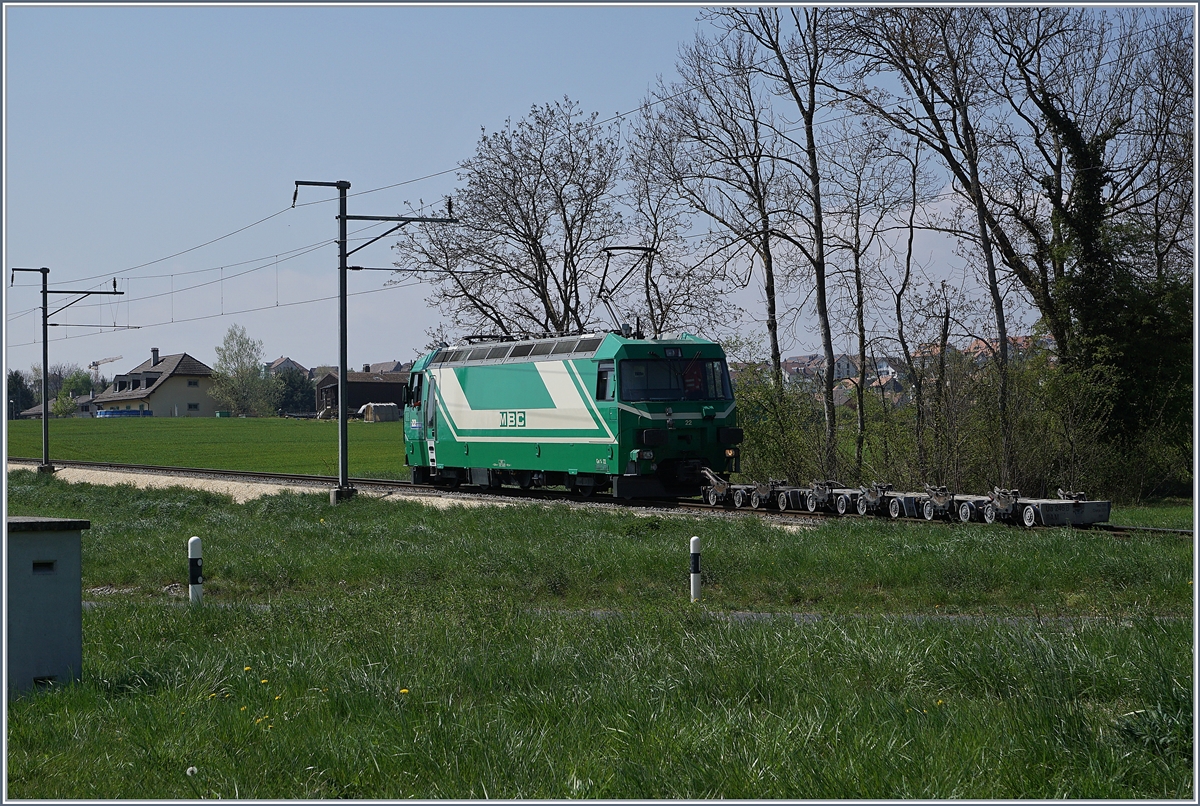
[{"x": 270, "y": 307}]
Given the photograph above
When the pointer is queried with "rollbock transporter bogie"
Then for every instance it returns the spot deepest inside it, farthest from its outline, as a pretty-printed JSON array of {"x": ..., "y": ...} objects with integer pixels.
[
  {"x": 642, "y": 417},
  {"x": 936, "y": 502},
  {"x": 1069, "y": 509}
]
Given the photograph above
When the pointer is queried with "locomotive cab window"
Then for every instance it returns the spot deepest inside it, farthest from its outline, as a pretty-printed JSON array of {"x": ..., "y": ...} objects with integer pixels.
[
  {"x": 675, "y": 379},
  {"x": 605, "y": 388},
  {"x": 415, "y": 390}
]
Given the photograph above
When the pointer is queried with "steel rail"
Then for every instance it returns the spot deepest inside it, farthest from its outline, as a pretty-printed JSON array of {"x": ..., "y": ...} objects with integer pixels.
[{"x": 542, "y": 495}]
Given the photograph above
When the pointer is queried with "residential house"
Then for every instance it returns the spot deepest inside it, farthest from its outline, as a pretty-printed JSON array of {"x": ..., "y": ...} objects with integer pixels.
[
  {"x": 31, "y": 413},
  {"x": 283, "y": 363},
  {"x": 388, "y": 366},
  {"x": 84, "y": 407},
  {"x": 890, "y": 389},
  {"x": 1019, "y": 347},
  {"x": 170, "y": 386},
  {"x": 811, "y": 368}
]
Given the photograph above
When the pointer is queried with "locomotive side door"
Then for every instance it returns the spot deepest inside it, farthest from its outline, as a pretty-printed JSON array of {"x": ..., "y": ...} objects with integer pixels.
[
  {"x": 430, "y": 418},
  {"x": 414, "y": 420}
]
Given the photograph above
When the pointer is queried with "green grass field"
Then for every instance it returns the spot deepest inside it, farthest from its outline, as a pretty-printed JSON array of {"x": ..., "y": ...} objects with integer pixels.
[
  {"x": 385, "y": 649},
  {"x": 376, "y": 450}
]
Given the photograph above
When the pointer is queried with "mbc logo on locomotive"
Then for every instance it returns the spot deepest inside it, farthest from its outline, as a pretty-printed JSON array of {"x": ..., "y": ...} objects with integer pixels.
[{"x": 512, "y": 419}]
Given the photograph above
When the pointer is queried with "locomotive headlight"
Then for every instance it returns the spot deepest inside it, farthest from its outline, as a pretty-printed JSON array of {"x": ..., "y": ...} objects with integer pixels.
[
  {"x": 730, "y": 452},
  {"x": 648, "y": 455}
]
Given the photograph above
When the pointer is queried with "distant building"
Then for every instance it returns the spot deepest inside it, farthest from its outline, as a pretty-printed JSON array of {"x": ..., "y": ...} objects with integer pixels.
[
  {"x": 388, "y": 366},
  {"x": 808, "y": 369},
  {"x": 283, "y": 363},
  {"x": 170, "y": 386},
  {"x": 84, "y": 407},
  {"x": 361, "y": 388},
  {"x": 1019, "y": 347},
  {"x": 31, "y": 413}
]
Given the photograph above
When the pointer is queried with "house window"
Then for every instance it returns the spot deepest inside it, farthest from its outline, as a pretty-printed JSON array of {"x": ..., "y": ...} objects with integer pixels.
[
  {"x": 193, "y": 407},
  {"x": 141, "y": 406},
  {"x": 193, "y": 383}
]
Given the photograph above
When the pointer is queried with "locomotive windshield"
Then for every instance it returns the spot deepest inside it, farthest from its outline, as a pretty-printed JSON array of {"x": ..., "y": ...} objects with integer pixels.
[{"x": 674, "y": 379}]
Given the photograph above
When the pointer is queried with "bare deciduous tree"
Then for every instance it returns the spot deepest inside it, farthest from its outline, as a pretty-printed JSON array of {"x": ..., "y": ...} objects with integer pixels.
[
  {"x": 536, "y": 207},
  {"x": 867, "y": 186},
  {"x": 712, "y": 142},
  {"x": 796, "y": 44}
]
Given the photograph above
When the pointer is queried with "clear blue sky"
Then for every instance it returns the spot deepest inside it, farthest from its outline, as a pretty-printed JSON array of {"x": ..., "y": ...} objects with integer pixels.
[{"x": 132, "y": 133}]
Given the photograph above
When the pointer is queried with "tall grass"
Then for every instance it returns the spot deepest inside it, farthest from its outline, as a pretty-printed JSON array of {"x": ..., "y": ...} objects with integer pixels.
[
  {"x": 558, "y": 555},
  {"x": 386, "y": 695},
  {"x": 383, "y": 649}
]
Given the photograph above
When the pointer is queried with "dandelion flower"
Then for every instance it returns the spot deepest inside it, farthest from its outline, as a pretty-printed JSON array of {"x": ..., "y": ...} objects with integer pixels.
[
  {"x": 246, "y": 669},
  {"x": 191, "y": 770},
  {"x": 403, "y": 691},
  {"x": 263, "y": 680},
  {"x": 243, "y": 708},
  {"x": 279, "y": 696}
]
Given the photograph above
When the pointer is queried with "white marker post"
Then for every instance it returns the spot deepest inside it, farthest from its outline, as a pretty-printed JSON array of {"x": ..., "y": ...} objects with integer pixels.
[
  {"x": 695, "y": 569},
  {"x": 195, "y": 571}
]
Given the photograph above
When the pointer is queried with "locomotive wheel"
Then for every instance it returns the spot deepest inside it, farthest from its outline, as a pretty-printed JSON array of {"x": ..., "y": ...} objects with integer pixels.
[
  {"x": 739, "y": 498},
  {"x": 989, "y": 513},
  {"x": 894, "y": 509},
  {"x": 860, "y": 506},
  {"x": 1028, "y": 516},
  {"x": 964, "y": 512},
  {"x": 710, "y": 496},
  {"x": 810, "y": 501},
  {"x": 927, "y": 510},
  {"x": 756, "y": 500},
  {"x": 781, "y": 501},
  {"x": 842, "y": 504}
]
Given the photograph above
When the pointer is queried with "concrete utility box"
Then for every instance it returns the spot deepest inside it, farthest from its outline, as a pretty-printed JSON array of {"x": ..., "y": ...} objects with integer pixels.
[{"x": 45, "y": 601}]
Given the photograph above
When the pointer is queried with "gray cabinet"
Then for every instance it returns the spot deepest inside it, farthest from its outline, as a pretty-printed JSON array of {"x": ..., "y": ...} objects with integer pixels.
[{"x": 45, "y": 601}]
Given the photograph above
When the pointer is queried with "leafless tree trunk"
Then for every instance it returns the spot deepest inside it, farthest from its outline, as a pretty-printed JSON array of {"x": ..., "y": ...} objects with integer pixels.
[
  {"x": 713, "y": 141},
  {"x": 936, "y": 54},
  {"x": 796, "y": 44},
  {"x": 866, "y": 188}
]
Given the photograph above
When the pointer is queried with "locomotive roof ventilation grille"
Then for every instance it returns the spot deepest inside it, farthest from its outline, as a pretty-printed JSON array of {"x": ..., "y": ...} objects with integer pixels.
[{"x": 575, "y": 347}]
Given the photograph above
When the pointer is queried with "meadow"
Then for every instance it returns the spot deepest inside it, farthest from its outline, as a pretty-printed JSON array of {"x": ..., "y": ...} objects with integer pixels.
[
  {"x": 387, "y": 649},
  {"x": 376, "y": 450}
]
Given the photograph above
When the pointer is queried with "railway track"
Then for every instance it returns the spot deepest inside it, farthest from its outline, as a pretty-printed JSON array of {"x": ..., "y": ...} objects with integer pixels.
[{"x": 467, "y": 490}]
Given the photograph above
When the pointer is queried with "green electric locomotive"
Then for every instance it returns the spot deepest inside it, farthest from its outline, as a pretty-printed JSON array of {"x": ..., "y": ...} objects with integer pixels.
[{"x": 639, "y": 417}]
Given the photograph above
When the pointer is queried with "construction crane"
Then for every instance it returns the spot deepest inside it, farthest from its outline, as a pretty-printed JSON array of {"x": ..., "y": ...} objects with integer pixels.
[{"x": 95, "y": 366}]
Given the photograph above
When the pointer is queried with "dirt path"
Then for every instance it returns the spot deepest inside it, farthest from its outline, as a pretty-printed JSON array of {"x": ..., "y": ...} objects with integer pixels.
[{"x": 243, "y": 491}]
